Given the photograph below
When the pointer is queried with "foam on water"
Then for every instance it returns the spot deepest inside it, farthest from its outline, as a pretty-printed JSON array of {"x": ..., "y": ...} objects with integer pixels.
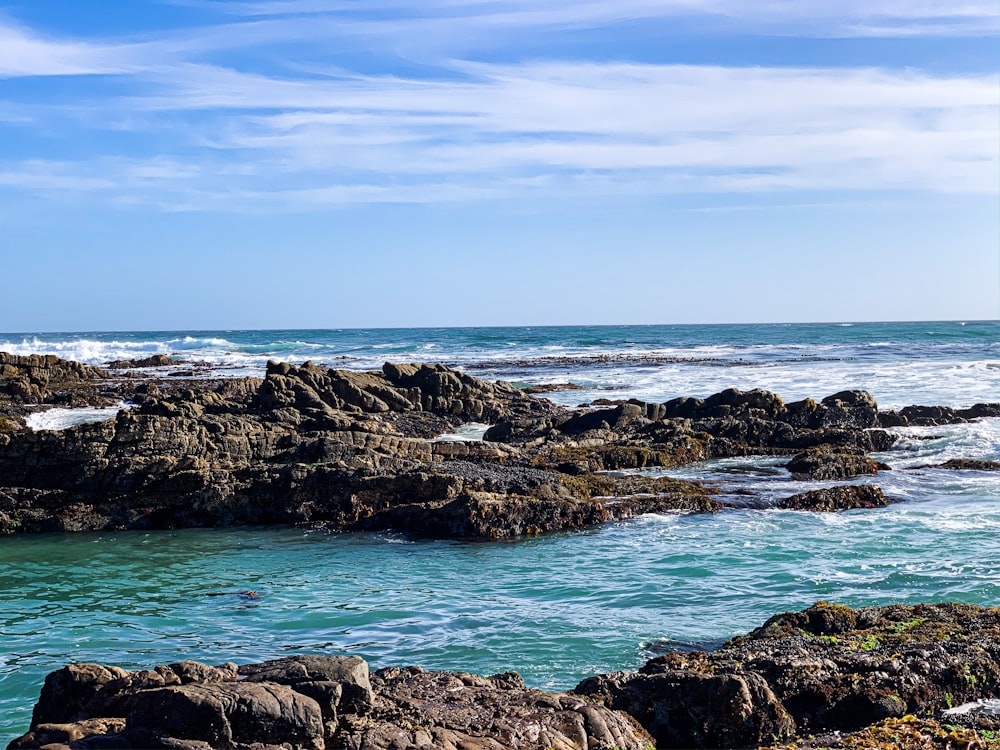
[
  {"x": 61, "y": 419},
  {"x": 473, "y": 431}
]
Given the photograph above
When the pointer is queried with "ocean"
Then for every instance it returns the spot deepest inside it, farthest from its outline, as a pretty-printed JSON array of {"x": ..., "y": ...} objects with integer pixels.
[{"x": 556, "y": 608}]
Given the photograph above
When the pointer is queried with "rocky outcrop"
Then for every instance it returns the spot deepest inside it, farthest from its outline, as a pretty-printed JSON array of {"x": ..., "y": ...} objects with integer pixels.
[
  {"x": 155, "y": 360},
  {"x": 323, "y": 447},
  {"x": 827, "y": 668},
  {"x": 929, "y": 416},
  {"x": 962, "y": 464},
  {"x": 47, "y": 379},
  {"x": 809, "y": 679},
  {"x": 315, "y": 702},
  {"x": 825, "y": 463},
  {"x": 846, "y": 497},
  {"x": 315, "y": 446},
  {"x": 905, "y": 733}
]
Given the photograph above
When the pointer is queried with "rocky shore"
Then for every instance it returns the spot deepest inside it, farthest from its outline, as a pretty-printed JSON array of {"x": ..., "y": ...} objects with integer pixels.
[
  {"x": 344, "y": 450},
  {"x": 902, "y": 677}
]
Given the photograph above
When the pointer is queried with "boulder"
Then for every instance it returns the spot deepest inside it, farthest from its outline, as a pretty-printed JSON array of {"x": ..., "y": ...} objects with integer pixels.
[
  {"x": 824, "y": 462},
  {"x": 845, "y": 497}
]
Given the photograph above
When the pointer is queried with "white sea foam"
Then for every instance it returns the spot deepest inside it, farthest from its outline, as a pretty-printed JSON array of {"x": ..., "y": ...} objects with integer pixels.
[
  {"x": 61, "y": 419},
  {"x": 470, "y": 431}
]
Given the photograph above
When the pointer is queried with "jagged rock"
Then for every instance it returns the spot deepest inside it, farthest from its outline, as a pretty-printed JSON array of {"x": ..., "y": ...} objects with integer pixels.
[
  {"x": 827, "y": 668},
  {"x": 317, "y": 702},
  {"x": 825, "y": 463},
  {"x": 904, "y": 733},
  {"x": 460, "y": 711},
  {"x": 846, "y": 497},
  {"x": 929, "y": 416},
  {"x": 324, "y": 447},
  {"x": 47, "y": 379},
  {"x": 68, "y": 690}
]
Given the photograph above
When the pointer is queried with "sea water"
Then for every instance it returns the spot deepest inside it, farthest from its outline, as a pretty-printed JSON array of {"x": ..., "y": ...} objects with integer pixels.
[{"x": 556, "y": 608}]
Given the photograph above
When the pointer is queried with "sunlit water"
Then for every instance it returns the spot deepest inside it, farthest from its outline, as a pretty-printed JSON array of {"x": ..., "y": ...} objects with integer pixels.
[{"x": 556, "y": 608}]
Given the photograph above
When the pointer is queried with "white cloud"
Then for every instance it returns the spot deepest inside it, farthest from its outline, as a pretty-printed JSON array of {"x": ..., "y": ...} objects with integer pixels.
[
  {"x": 819, "y": 17},
  {"x": 555, "y": 129},
  {"x": 24, "y": 53}
]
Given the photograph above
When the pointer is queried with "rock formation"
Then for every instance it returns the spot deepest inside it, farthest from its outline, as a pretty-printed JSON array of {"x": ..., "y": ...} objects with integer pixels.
[
  {"x": 330, "y": 448},
  {"x": 826, "y": 671}
]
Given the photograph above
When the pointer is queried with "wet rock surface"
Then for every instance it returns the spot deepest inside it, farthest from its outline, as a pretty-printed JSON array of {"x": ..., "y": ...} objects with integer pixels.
[
  {"x": 828, "y": 668},
  {"x": 845, "y": 497},
  {"x": 329, "y": 448},
  {"x": 828, "y": 676}
]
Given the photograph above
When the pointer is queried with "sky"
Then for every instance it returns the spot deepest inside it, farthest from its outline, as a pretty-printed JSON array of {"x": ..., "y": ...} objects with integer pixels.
[{"x": 213, "y": 164}]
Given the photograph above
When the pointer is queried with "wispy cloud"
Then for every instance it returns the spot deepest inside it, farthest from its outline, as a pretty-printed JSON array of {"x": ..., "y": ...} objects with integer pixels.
[
  {"x": 558, "y": 128},
  {"x": 188, "y": 126},
  {"x": 843, "y": 18}
]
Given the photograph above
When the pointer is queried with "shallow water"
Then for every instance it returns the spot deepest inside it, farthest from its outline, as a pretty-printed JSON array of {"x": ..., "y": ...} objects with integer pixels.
[{"x": 556, "y": 608}]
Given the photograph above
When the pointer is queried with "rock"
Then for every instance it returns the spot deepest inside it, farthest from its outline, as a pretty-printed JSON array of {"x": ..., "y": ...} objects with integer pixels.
[
  {"x": 963, "y": 464},
  {"x": 928, "y": 416},
  {"x": 827, "y": 668},
  {"x": 106, "y": 733},
  {"x": 322, "y": 447},
  {"x": 46, "y": 379},
  {"x": 274, "y": 704},
  {"x": 903, "y": 733},
  {"x": 224, "y": 715},
  {"x": 68, "y": 690},
  {"x": 826, "y": 463},
  {"x": 854, "y": 409},
  {"x": 684, "y": 709},
  {"x": 336, "y": 683},
  {"x": 156, "y": 360},
  {"x": 534, "y": 390},
  {"x": 845, "y": 497},
  {"x": 418, "y": 709}
]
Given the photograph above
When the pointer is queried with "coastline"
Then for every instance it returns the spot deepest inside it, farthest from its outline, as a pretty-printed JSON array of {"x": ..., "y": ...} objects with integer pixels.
[
  {"x": 901, "y": 677},
  {"x": 578, "y": 447}
]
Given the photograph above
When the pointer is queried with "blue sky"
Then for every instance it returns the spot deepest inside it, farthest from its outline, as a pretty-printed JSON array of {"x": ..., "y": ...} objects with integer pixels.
[{"x": 333, "y": 163}]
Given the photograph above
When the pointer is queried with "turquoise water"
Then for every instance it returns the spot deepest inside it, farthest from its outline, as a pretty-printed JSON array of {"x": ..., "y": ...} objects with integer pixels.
[{"x": 557, "y": 608}]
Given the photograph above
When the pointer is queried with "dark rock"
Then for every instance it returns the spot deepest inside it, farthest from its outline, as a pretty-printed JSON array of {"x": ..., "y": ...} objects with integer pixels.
[
  {"x": 46, "y": 379},
  {"x": 844, "y": 497},
  {"x": 68, "y": 690},
  {"x": 156, "y": 360},
  {"x": 224, "y": 715},
  {"x": 460, "y": 710},
  {"x": 827, "y": 668},
  {"x": 852, "y": 409},
  {"x": 929, "y": 416},
  {"x": 963, "y": 464},
  {"x": 824, "y": 463},
  {"x": 274, "y": 704},
  {"x": 534, "y": 390}
]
